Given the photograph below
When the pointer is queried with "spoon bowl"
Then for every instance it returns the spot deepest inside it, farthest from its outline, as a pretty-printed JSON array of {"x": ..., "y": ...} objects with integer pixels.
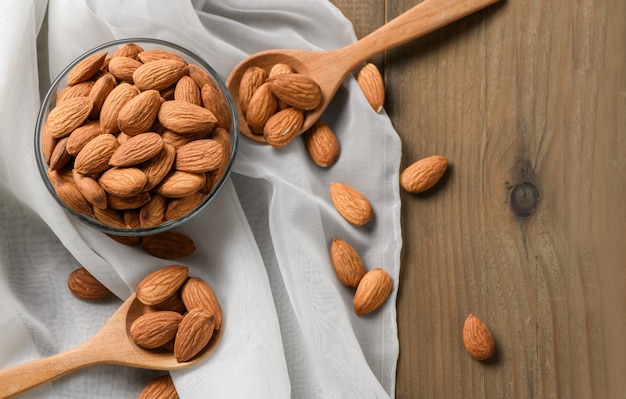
[
  {"x": 330, "y": 68},
  {"x": 112, "y": 344}
]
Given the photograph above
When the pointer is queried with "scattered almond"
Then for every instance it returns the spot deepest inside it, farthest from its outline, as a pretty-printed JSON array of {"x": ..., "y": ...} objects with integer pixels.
[
  {"x": 351, "y": 204},
  {"x": 170, "y": 244},
  {"x": 159, "y": 388},
  {"x": 371, "y": 82},
  {"x": 84, "y": 285},
  {"x": 478, "y": 339},
  {"x": 322, "y": 144},
  {"x": 423, "y": 174},
  {"x": 372, "y": 291},
  {"x": 347, "y": 263}
]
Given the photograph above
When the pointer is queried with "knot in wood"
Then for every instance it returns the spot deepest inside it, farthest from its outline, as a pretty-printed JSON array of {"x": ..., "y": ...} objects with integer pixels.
[{"x": 524, "y": 199}]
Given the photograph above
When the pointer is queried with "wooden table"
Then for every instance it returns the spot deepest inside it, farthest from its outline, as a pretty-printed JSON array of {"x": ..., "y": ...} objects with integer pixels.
[{"x": 527, "y": 99}]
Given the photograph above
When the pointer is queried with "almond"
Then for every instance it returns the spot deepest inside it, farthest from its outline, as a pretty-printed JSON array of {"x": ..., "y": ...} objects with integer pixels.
[
  {"x": 199, "y": 156},
  {"x": 283, "y": 126},
  {"x": 187, "y": 90},
  {"x": 347, "y": 263},
  {"x": 263, "y": 104},
  {"x": 161, "y": 284},
  {"x": 177, "y": 140},
  {"x": 170, "y": 244},
  {"x": 130, "y": 50},
  {"x": 79, "y": 90},
  {"x": 123, "y": 182},
  {"x": 70, "y": 195},
  {"x": 81, "y": 136},
  {"x": 90, "y": 189},
  {"x": 60, "y": 157},
  {"x": 139, "y": 113},
  {"x": 117, "y": 98},
  {"x": 322, "y": 144},
  {"x": 131, "y": 241},
  {"x": 123, "y": 68},
  {"x": 48, "y": 143},
  {"x": 280, "y": 69},
  {"x": 153, "y": 212},
  {"x": 184, "y": 117},
  {"x": 110, "y": 217},
  {"x": 179, "y": 207},
  {"x": 85, "y": 69},
  {"x": 194, "y": 333},
  {"x": 296, "y": 89},
  {"x": 155, "y": 329},
  {"x": 478, "y": 339},
  {"x": 95, "y": 155},
  {"x": 159, "y": 388},
  {"x": 158, "y": 74},
  {"x": 223, "y": 137},
  {"x": 214, "y": 101},
  {"x": 371, "y": 83},
  {"x": 372, "y": 291},
  {"x": 100, "y": 91},
  {"x": 423, "y": 174},
  {"x": 67, "y": 116},
  {"x": 131, "y": 218},
  {"x": 137, "y": 149},
  {"x": 84, "y": 285},
  {"x": 199, "y": 75},
  {"x": 159, "y": 166},
  {"x": 126, "y": 203},
  {"x": 157, "y": 54},
  {"x": 351, "y": 204},
  {"x": 251, "y": 80},
  {"x": 198, "y": 294},
  {"x": 180, "y": 184}
]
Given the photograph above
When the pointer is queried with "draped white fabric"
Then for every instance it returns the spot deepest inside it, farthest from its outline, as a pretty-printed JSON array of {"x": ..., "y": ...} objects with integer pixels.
[{"x": 289, "y": 327}]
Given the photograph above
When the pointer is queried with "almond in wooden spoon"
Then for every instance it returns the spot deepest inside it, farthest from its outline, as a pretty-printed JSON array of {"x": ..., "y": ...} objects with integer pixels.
[
  {"x": 112, "y": 344},
  {"x": 329, "y": 69}
]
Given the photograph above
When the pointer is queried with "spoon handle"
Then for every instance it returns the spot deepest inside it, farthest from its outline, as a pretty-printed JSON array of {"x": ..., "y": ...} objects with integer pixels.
[
  {"x": 420, "y": 20},
  {"x": 23, "y": 377}
]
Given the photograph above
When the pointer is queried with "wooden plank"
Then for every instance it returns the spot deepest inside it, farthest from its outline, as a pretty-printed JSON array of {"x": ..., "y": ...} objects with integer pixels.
[{"x": 526, "y": 230}]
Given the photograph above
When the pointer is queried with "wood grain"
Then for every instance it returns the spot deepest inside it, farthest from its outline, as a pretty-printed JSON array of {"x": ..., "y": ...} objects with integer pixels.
[{"x": 526, "y": 230}]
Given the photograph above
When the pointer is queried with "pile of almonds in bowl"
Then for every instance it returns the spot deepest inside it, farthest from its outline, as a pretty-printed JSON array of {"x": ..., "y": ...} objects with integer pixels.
[{"x": 136, "y": 136}]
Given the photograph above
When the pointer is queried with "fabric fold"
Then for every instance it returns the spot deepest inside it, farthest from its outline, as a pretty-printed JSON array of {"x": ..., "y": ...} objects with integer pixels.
[{"x": 289, "y": 326}]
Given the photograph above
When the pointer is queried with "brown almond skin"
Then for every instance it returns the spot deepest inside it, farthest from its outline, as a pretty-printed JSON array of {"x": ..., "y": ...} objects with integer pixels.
[
  {"x": 423, "y": 174},
  {"x": 159, "y": 166},
  {"x": 186, "y": 118},
  {"x": 187, "y": 90},
  {"x": 91, "y": 190},
  {"x": 123, "y": 182},
  {"x": 85, "y": 69},
  {"x": 199, "y": 75},
  {"x": 282, "y": 127},
  {"x": 297, "y": 90},
  {"x": 117, "y": 98},
  {"x": 137, "y": 149},
  {"x": 347, "y": 263},
  {"x": 82, "y": 135},
  {"x": 199, "y": 156},
  {"x": 60, "y": 157},
  {"x": 214, "y": 101},
  {"x": 79, "y": 90},
  {"x": 130, "y": 50},
  {"x": 153, "y": 212},
  {"x": 179, "y": 207},
  {"x": 322, "y": 144},
  {"x": 198, "y": 294},
  {"x": 85, "y": 286},
  {"x": 70, "y": 195},
  {"x": 263, "y": 104},
  {"x": 180, "y": 184},
  {"x": 161, "y": 284},
  {"x": 101, "y": 89},
  {"x": 123, "y": 68},
  {"x": 155, "y": 329},
  {"x": 372, "y": 291},
  {"x": 139, "y": 113},
  {"x": 194, "y": 333},
  {"x": 159, "y": 388},
  {"x": 158, "y": 74},
  {"x": 477, "y": 338},
  {"x": 95, "y": 155},
  {"x": 68, "y": 115},
  {"x": 157, "y": 54},
  {"x": 370, "y": 80},
  {"x": 169, "y": 244},
  {"x": 251, "y": 80},
  {"x": 353, "y": 206}
]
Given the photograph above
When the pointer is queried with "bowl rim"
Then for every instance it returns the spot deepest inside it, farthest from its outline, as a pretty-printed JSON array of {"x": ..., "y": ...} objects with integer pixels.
[{"x": 44, "y": 109}]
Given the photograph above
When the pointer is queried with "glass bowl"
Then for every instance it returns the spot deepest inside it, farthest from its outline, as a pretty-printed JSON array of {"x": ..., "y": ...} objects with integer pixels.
[{"x": 125, "y": 214}]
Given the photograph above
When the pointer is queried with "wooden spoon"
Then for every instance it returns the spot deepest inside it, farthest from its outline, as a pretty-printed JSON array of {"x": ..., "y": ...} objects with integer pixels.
[
  {"x": 112, "y": 344},
  {"x": 330, "y": 68}
]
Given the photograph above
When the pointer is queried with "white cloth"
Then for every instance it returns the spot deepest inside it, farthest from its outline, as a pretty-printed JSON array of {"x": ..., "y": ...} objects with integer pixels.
[{"x": 289, "y": 327}]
